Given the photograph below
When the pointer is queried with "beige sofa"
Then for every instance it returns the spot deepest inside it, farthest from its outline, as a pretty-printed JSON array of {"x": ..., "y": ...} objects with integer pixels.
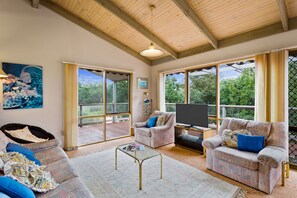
[
  {"x": 259, "y": 170},
  {"x": 156, "y": 136},
  {"x": 49, "y": 153}
]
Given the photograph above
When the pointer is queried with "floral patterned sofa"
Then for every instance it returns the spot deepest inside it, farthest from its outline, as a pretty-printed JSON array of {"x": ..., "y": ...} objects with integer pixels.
[
  {"x": 50, "y": 153},
  {"x": 259, "y": 170}
]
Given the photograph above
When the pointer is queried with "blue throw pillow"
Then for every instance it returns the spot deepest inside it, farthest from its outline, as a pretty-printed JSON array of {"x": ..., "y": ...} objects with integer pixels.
[
  {"x": 14, "y": 189},
  {"x": 11, "y": 147},
  {"x": 151, "y": 122},
  {"x": 250, "y": 143}
]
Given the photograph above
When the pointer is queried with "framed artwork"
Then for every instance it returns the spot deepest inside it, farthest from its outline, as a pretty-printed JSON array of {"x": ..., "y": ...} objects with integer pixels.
[
  {"x": 142, "y": 83},
  {"x": 23, "y": 89}
]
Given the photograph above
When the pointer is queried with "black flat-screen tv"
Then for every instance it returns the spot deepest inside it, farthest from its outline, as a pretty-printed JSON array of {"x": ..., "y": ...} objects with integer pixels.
[{"x": 192, "y": 114}]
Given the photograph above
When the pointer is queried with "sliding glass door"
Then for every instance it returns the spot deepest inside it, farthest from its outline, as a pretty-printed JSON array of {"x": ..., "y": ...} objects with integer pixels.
[
  {"x": 104, "y": 105},
  {"x": 117, "y": 104}
]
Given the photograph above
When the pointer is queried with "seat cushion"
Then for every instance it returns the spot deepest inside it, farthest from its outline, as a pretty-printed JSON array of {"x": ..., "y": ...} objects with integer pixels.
[
  {"x": 70, "y": 188},
  {"x": 50, "y": 155},
  {"x": 144, "y": 132},
  {"x": 61, "y": 170},
  {"x": 242, "y": 158}
]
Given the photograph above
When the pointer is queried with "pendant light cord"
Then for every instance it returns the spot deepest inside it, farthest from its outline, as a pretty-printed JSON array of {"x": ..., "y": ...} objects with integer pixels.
[{"x": 152, "y": 8}]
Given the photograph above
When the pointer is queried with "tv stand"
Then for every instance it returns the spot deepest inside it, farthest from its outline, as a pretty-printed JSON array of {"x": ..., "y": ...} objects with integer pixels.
[{"x": 191, "y": 137}]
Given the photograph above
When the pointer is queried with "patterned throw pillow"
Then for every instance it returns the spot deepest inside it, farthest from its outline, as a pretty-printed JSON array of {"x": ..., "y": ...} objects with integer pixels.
[
  {"x": 230, "y": 137},
  {"x": 19, "y": 168},
  {"x": 161, "y": 120}
]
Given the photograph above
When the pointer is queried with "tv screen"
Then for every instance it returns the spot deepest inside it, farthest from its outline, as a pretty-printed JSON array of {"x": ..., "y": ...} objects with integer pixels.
[{"x": 192, "y": 114}]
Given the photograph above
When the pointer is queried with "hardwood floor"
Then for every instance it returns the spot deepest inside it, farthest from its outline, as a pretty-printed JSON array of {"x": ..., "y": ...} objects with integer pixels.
[
  {"x": 196, "y": 160},
  {"x": 94, "y": 133}
]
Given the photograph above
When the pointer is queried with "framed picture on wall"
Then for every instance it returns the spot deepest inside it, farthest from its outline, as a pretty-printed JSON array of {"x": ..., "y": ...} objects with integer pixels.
[
  {"x": 142, "y": 83},
  {"x": 23, "y": 89}
]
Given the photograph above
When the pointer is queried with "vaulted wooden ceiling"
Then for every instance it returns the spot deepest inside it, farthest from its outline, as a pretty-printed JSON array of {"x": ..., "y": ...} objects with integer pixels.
[{"x": 180, "y": 27}]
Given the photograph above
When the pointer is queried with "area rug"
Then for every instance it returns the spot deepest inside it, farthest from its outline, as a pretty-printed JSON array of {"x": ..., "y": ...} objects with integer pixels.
[{"x": 98, "y": 172}]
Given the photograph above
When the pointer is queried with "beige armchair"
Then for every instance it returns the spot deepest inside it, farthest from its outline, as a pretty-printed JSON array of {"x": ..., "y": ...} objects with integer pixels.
[
  {"x": 259, "y": 170},
  {"x": 156, "y": 136}
]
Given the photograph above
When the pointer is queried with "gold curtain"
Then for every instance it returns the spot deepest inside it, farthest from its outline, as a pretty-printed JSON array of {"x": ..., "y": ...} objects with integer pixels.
[
  {"x": 70, "y": 106},
  {"x": 271, "y": 96}
]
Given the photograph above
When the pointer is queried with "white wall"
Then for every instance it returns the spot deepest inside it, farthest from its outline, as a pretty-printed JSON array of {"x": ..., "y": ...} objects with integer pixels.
[
  {"x": 41, "y": 37},
  {"x": 278, "y": 41}
]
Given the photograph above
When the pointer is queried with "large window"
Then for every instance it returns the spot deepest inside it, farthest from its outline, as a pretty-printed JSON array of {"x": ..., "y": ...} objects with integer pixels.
[
  {"x": 174, "y": 90},
  {"x": 237, "y": 89},
  {"x": 202, "y": 89},
  {"x": 236, "y": 82}
]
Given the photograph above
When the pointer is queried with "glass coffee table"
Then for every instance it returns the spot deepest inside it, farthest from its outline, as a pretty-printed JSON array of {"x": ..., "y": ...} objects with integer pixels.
[{"x": 140, "y": 157}]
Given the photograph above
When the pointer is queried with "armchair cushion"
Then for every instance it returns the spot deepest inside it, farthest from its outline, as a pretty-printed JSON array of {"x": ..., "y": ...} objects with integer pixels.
[
  {"x": 236, "y": 124},
  {"x": 159, "y": 129},
  {"x": 233, "y": 156},
  {"x": 272, "y": 156},
  {"x": 212, "y": 142},
  {"x": 144, "y": 132},
  {"x": 259, "y": 128}
]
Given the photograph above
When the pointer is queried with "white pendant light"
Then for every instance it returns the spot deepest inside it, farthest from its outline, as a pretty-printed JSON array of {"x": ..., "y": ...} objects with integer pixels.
[
  {"x": 152, "y": 51},
  {"x": 2, "y": 74}
]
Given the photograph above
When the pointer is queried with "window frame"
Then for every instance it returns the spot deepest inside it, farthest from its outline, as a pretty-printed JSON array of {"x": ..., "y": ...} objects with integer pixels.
[{"x": 217, "y": 65}]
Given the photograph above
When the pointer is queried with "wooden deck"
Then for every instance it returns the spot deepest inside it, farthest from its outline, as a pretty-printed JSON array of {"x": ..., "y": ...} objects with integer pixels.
[{"x": 94, "y": 133}]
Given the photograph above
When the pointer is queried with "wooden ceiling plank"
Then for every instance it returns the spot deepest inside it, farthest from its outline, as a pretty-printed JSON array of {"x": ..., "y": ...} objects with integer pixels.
[
  {"x": 83, "y": 24},
  {"x": 283, "y": 13},
  {"x": 269, "y": 30},
  {"x": 137, "y": 26},
  {"x": 35, "y": 3},
  {"x": 190, "y": 13}
]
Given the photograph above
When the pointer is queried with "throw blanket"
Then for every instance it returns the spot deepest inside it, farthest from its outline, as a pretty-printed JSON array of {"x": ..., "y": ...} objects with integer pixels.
[{"x": 19, "y": 168}]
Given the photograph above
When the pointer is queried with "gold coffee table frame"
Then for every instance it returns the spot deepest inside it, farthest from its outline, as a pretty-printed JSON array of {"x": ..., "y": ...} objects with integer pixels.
[{"x": 140, "y": 157}]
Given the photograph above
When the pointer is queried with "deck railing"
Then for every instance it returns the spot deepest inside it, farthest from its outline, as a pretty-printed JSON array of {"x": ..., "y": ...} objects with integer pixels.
[
  {"x": 239, "y": 111},
  {"x": 94, "y": 113}
]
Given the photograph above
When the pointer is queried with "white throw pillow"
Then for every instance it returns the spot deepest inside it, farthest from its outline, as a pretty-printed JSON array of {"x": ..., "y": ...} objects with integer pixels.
[{"x": 25, "y": 134}]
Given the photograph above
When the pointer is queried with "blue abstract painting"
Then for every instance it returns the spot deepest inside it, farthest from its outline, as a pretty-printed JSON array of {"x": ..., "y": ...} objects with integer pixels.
[{"x": 23, "y": 89}]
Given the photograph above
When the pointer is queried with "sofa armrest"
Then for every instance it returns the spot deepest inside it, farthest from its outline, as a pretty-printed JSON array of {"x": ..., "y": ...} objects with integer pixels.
[
  {"x": 139, "y": 124},
  {"x": 41, "y": 146},
  {"x": 213, "y": 142},
  {"x": 272, "y": 156}
]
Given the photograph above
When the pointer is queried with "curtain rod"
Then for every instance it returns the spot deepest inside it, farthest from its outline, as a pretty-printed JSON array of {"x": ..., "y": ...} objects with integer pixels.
[{"x": 98, "y": 67}]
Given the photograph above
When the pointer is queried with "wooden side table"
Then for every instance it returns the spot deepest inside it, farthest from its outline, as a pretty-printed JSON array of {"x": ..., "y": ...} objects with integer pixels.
[{"x": 285, "y": 171}]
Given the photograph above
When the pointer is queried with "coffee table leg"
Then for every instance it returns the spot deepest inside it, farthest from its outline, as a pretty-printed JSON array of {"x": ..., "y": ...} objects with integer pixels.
[
  {"x": 161, "y": 166},
  {"x": 116, "y": 159},
  {"x": 140, "y": 175}
]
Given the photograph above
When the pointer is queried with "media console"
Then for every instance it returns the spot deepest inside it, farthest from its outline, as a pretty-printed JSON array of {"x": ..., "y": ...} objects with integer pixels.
[{"x": 191, "y": 137}]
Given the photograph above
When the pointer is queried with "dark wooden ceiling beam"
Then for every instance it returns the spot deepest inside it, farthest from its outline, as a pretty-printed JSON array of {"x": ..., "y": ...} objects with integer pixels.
[
  {"x": 35, "y": 3},
  {"x": 137, "y": 26},
  {"x": 283, "y": 14},
  {"x": 194, "y": 18},
  {"x": 80, "y": 22},
  {"x": 269, "y": 30}
]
